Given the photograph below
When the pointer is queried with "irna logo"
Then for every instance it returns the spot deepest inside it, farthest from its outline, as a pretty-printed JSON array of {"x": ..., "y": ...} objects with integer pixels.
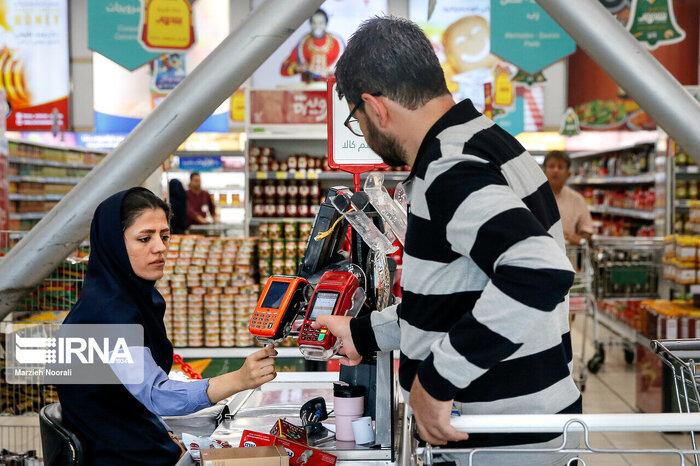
[{"x": 71, "y": 350}]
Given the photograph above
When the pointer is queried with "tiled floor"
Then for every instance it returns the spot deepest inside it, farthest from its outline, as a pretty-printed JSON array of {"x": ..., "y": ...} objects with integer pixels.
[{"x": 612, "y": 390}]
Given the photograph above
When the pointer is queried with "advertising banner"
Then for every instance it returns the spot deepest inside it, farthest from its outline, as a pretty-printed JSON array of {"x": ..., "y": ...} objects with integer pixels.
[
  {"x": 460, "y": 33},
  {"x": 34, "y": 64},
  {"x": 113, "y": 31},
  {"x": 288, "y": 107},
  {"x": 522, "y": 33},
  {"x": 4, "y": 180},
  {"x": 599, "y": 103},
  {"x": 306, "y": 58},
  {"x": 122, "y": 98}
]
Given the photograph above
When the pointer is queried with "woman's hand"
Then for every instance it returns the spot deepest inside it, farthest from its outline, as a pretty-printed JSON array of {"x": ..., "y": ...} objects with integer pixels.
[{"x": 258, "y": 368}]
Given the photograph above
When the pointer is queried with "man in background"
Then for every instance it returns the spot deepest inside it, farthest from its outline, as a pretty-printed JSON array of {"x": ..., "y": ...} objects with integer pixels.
[
  {"x": 575, "y": 217},
  {"x": 198, "y": 203}
]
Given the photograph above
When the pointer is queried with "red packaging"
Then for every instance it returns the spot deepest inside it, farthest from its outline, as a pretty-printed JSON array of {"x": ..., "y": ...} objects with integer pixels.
[
  {"x": 285, "y": 429},
  {"x": 299, "y": 455}
]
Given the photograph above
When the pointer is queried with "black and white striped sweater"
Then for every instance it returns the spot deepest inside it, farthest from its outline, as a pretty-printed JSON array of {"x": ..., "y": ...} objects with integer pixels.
[{"x": 484, "y": 317}]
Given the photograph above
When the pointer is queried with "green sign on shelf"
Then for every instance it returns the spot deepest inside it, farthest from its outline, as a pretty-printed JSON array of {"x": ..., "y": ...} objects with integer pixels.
[
  {"x": 113, "y": 30},
  {"x": 523, "y": 34}
]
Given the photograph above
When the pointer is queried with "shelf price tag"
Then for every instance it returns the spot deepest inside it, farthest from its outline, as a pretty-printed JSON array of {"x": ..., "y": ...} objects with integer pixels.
[
  {"x": 281, "y": 175},
  {"x": 261, "y": 175},
  {"x": 312, "y": 175},
  {"x": 299, "y": 175}
]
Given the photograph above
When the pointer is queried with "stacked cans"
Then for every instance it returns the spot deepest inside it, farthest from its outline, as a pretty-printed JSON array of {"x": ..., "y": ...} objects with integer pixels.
[
  {"x": 280, "y": 248},
  {"x": 203, "y": 278}
]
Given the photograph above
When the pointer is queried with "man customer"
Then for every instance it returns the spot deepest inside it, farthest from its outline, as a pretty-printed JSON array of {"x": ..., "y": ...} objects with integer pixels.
[
  {"x": 199, "y": 203},
  {"x": 575, "y": 217},
  {"x": 484, "y": 317}
]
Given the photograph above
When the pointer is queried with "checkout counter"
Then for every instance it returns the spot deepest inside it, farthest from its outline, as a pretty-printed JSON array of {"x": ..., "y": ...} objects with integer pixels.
[{"x": 259, "y": 409}]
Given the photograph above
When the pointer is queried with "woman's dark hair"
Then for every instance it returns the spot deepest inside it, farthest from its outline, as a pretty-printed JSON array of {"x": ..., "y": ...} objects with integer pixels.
[
  {"x": 392, "y": 57},
  {"x": 139, "y": 200}
]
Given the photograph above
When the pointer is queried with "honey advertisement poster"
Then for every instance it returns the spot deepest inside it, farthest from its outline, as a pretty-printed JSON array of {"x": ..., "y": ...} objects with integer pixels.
[{"x": 34, "y": 64}]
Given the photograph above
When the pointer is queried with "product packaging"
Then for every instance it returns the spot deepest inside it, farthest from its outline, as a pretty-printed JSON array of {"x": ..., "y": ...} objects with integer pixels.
[
  {"x": 285, "y": 429},
  {"x": 260, "y": 456},
  {"x": 299, "y": 455}
]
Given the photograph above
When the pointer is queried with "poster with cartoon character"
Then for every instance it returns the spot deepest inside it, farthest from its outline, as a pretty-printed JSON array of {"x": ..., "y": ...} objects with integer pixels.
[{"x": 307, "y": 57}]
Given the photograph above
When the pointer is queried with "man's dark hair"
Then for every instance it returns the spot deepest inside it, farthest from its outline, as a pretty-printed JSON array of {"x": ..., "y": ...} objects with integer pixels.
[
  {"x": 390, "y": 56},
  {"x": 557, "y": 155},
  {"x": 193, "y": 174},
  {"x": 138, "y": 201},
  {"x": 319, "y": 12}
]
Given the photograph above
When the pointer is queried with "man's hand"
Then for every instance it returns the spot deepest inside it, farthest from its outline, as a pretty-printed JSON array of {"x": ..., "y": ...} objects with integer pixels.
[
  {"x": 433, "y": 417},
  {"x": 339, "y": 326},
  {"x": 258, "y": 368}
]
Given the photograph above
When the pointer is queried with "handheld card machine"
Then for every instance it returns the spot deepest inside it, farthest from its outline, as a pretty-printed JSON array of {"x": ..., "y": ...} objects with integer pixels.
[
  {"x": 280, "y": 302},
  {"x": 337, "y": 293}
]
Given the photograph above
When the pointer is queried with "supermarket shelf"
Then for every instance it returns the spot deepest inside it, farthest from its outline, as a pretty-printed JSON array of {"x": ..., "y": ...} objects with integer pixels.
[
  {"x": 36, "y": 197},
  {"x": 633, "y": 179},
  {"x": 209, "y": 153},
  {"x": 631, "y": 213},
  {"x": 259, "y": 220},
  {"x": 44, "y": 179},
  {"x": 584, "y": 154},
  {"x": 27, "y": 216},
  {"x": 285, "y": 352},
  {"x": 623, "y": 330},
  {"x": 289, "y": 132},
  {"x": 49, "y": 163},
  {"x": 333, "y": 175},
  {"x": 675, "y": 286},
  {"x": 688, "y": 171},
  {"x": 56, "y": 146},
  {"x": 682, "y": 204}
]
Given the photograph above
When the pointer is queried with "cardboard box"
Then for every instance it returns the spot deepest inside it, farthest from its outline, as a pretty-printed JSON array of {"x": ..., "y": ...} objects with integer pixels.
[
  {"x": 299, "y": 455},
  {"x": 258, "y": 456},
  {"x": 285, "y": 429}
]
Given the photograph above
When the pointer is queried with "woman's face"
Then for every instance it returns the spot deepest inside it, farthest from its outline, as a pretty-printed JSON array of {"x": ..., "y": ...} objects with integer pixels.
[{"x": 146, "y": 243}]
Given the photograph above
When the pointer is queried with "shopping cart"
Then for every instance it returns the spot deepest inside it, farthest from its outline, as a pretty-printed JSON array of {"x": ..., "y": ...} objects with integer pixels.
[
  {"x": 680, "y": 356},
  {"x": 626, "y": 271},
  {"x": 581, "y": 300},
  {"x": 572, "y": 428}
]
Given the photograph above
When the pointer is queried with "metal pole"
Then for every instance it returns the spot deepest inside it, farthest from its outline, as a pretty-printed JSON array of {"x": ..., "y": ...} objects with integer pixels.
[
  {"x": 150, "y": 143},
  {"x": 631, "y": 65}
]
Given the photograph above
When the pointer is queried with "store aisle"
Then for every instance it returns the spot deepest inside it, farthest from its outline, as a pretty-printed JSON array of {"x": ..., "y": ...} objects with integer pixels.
[{"x": 612, "y": 390}]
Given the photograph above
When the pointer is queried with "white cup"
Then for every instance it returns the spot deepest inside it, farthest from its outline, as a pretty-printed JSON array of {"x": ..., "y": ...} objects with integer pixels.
[{"x": 363, "y": 430}]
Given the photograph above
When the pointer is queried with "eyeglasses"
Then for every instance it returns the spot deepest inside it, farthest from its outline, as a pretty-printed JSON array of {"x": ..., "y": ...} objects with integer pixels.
[{"x": 352, "y": 123}]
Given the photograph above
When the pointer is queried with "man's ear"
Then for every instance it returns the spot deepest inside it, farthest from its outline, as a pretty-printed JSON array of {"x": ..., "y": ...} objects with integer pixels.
[{"x": 376, "y": 110}]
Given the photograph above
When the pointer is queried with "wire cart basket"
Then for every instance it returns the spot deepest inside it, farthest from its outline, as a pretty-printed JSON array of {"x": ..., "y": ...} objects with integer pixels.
[
  {"x": 626, "y": 271},
  {"x": 581, "y": 300}
]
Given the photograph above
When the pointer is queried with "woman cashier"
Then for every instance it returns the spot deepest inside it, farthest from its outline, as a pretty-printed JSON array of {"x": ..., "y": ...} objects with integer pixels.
[{"x": 121, "y": 424}]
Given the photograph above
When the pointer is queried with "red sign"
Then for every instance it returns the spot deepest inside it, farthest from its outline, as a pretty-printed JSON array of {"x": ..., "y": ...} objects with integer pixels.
[{"x": 288, "y": 107}]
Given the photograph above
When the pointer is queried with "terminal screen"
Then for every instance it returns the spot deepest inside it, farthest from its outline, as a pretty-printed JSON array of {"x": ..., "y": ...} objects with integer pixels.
[
  {"x": 324, "y": 303},
  {"x": 275, "y": 295}
]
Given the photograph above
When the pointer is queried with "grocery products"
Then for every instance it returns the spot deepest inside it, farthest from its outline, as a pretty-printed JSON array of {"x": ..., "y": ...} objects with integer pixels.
[
  {"x": 285, "y": 198},
  {"x": 210, "y": 290}
]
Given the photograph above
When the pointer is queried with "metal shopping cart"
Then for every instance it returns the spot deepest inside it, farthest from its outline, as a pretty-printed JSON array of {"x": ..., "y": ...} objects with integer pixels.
[
  {"x": 581, "y": 300},
  {"x": 626, "y": 271},
  {"x": 679, "y": 355}
]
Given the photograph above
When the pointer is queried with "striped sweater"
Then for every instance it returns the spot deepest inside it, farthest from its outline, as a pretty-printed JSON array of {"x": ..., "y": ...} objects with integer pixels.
[{"x": 484, "y": 317}]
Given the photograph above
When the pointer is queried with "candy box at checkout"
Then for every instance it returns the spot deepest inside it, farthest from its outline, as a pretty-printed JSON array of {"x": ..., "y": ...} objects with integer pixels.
[
  {"x": 284, "y": 429},
  {"x": 299, "y": 455},
  {"x": 261, "y": 456}
]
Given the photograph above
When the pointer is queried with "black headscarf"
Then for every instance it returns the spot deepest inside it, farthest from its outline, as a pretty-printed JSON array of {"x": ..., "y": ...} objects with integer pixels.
[
  {"x": 178, "y": 202},
  {"x": 116, "y": 427}
]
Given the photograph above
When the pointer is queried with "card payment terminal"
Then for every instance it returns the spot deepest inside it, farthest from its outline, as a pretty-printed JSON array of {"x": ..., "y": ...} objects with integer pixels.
[
  {"x": 280, "y": 302},
  {"x": 337, "y": 293}
]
